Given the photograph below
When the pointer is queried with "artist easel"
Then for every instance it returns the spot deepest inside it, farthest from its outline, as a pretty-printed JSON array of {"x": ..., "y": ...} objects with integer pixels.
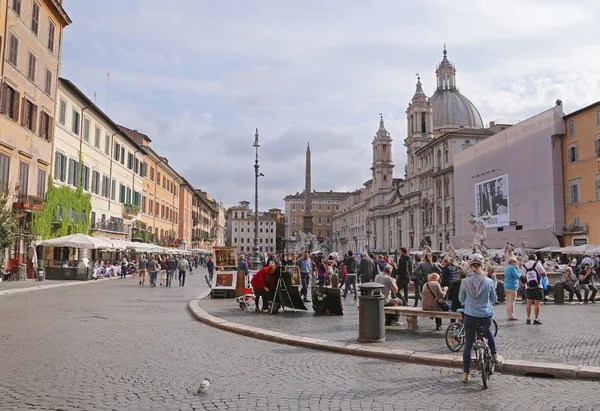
[{"x": 280, "y": 289}]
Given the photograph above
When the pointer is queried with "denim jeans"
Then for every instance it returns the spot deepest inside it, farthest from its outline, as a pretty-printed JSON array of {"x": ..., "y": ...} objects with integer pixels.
[
  {"x": 471, "y": 324},
  {"x": 350, "y": 281},
  {"x": 403, "y": 286},
  {"x": 586, "y": 289},
  {"x": 418, "y": 287},
  {"x": 181, "y": 278},
  {"x": 573, "y": 290},
  {"x": 304, "y": 289}
]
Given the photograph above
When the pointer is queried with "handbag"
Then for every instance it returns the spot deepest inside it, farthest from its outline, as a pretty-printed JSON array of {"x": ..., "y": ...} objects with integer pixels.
[{"x": 441, "y": 302}]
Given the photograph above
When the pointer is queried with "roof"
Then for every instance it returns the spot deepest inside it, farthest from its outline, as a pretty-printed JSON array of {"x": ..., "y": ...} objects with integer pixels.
[
  {"x": 486, "y": 132},
  {"x": 452, "y": 109},
  {"x": 57, "y": 7},
  {"x": 317, "y": 195},
  {"x": 91, "y": 105},
  {"x": 135, "y": 135},
  {"x": 581, "y": 110}
]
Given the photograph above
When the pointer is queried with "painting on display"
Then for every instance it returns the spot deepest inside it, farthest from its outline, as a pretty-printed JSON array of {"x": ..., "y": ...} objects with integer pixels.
[
  {"x": 225, "y": 280},
  {"x": 294, "y": 271},
  {"x": 492, "y": 196},
  {"x": 225, "y": 257}
]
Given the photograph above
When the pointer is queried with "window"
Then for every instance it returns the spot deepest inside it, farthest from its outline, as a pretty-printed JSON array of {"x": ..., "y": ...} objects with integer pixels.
[
  {"x": 35, "y": 18},
  {"x": 75, "y": 122},
  {"x": 117, "y": 151},
  {"x": 62, "y": 112},
  {"x": 137, "y": 198},
  {"x": 13, "y": 49},
  {"x": 23, "y": 178},
  {"x": 30, "y": 114},
  {"x": 447, "y": 215},
  {"x": 597, "y": 146},
  {"x": 293, "y": 206},
  {"x": 86, "y": 129},
  {"x": 144, "y": 204},
  {"x": 320, "y": 219},
  {"x": 136, "y": 165},
  {"x": 157, "y": 177},
  {"x": 31, "y": 63},
  {"x": 41, "y": 184},
  {"x": 95, "y": 182},
  {"x": 123, "y": 155},
  {"x": 85, "y": 174},
  {"x": 105, "y": 186},
  {"x": 571, "y": 128},
  {"x": 48, "y": 82},
  {"x": 574, "y": 192},
  {"x": 157, "y": 209},
  {"x": 128, "y": 195},
  {"x": 113, "y": 189},
  {"x": 73, "y": 172},
  {"x": 130, "y": 161},
  {"x": 4, "y": 169},
  {"x": 107, "y": 144},
  {"x": 16, "y": 6},
  {"x": 151, "y": 173},
  {"x": 45, "y": 126},
  {"x": 51, "y": 30},
  {"x": 150, "y": 207},
  {"x": 598, "y": 118},
  {"x": 60, "y": 167},
  {"x": 576, "y": 220},
  {"x": 573, "y": 154},
  {"x": 121, "y": 193},
  {"x": 12, "y": 99},
  {"x": 97, "y": 137},
  {"x": 598, "y": 187}
]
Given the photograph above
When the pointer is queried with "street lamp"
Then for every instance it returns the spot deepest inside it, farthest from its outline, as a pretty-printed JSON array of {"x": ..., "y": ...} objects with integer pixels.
[{"x": 256, "y": 259}]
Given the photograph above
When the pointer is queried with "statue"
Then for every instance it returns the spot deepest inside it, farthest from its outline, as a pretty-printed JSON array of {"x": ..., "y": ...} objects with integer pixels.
[
  {"x": 451, "y": 253},
  {"x": 550, "y": 265},
  {"x": 306, "y": 243},
  {"x": 478, "y": 245}
]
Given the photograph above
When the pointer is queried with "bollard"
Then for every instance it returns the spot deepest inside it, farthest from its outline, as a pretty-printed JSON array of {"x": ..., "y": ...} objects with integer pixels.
[
  {"x": 559, "y": 292},
  {"x": 371, "y": 318}
]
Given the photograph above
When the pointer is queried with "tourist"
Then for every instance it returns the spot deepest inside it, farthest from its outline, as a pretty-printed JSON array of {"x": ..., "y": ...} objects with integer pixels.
[
  {"x": 210, "y": 266},
  {"x": 321, "y": 271},
  {"x": 432, "y": 291},
  {"x": 492, "y": 274},
  {"x": 124, "y": 267},
  {"x": 351, "y": 268},
  {"x": 153, "y": 268},
  {"x": 533, "y": 272},
  {"x": 183, "y": 265},
  {"x": 569, "y": 280},
  {"x": 586, "y": 282},
  {"x": 452, "y": 295},
  {"x": 448, "y": 272},
  {"x": 305, "y": 265},
  {"x": 381, "y": 264},
  {"x": 261, "y": 288},
  {"x": 142, "y": 265},
  {"x": 243, "y": 266},
  {"x": 477, "y": 294},
  {"x": 403, "y": 272},
  {"x": 511, "y": 285},
  {"x": 389, "y": 290},
  {"x": 421, "y": 273},
  {"x": 366, "y": 269}
]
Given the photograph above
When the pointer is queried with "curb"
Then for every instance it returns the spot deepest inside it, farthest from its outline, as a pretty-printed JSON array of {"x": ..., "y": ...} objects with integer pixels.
[
  {"x": 514, "y": 367},
  {"x": 45, "y": 287}
]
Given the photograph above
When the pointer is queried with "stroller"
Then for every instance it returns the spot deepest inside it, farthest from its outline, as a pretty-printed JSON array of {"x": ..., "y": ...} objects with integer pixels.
[{"x": 246, "y": 300}]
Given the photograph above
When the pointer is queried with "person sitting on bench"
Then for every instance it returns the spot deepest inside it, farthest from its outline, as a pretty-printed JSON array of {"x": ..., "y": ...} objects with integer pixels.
[{"x": 389, "y": 290}]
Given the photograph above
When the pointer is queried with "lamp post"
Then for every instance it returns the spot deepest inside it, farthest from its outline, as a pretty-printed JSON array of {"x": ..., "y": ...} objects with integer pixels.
[{"x": 256, "y": 259}]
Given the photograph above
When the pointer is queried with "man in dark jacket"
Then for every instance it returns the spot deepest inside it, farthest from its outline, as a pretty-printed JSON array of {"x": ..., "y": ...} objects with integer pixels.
[
  {"x": 448, "y": 272},
  {"x": 367, "y": 270},
  {"x": 403, "y": 272},
  {"x": 452, "y": 294}
]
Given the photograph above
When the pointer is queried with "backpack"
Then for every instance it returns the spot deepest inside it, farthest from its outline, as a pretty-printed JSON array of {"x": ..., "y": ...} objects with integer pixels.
[
  {"x": 532, "y": 277},
  {"x": 182, "y": 264}
]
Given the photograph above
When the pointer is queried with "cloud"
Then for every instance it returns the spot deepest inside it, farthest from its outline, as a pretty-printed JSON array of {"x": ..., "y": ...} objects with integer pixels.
[{"x": 199, "y": 77}]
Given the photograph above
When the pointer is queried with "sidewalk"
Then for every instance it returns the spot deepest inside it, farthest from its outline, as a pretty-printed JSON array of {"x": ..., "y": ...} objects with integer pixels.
[
  {"x": 14, "y": 287},
  {"x": 565, "y": 346}
]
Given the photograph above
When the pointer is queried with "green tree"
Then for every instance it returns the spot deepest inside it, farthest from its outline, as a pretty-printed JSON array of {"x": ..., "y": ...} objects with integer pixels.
[{"x": 8, "y": 223}]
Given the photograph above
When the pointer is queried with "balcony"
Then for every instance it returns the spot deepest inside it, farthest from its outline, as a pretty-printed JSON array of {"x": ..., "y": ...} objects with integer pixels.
[
  {"x": 29, "y": 203},
  {"x": 130, "y": 211},
  {"x": 115, "y": 226},
  {"x": 575, "y": 229}
]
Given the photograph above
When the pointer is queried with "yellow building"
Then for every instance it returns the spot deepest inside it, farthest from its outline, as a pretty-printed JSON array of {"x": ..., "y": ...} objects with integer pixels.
[
  {"x": 160, "y": 196},
  {"x": 581, "y": 176},
  {"x": 31, "y": 53}
]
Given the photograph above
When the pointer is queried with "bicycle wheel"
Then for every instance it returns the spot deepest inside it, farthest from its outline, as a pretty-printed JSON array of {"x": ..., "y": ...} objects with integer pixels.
[
  {"x": 495, "y": 327},
  {"x": 453, "y": 338},
  {"x": 482, "y": 368}
]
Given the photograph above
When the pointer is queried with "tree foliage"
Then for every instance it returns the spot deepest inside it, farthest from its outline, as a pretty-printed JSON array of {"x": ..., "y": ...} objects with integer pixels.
[{"x": 8, "y": 222}]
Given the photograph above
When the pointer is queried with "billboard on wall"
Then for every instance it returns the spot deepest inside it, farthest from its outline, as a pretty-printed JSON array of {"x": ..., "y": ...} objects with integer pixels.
[{"x": 492, "y": 196}]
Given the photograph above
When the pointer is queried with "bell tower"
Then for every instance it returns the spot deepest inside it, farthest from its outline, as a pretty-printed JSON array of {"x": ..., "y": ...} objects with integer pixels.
[
  {"x": 382, "y": 158},
  {"x": 419, "y": 115}
]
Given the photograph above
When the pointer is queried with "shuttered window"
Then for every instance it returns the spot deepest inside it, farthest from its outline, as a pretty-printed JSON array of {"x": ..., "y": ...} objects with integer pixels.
[{"x": 4, "y": 170}]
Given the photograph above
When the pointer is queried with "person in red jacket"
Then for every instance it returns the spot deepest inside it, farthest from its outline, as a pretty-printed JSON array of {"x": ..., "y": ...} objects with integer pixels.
[{"x": 262, "y": 284}]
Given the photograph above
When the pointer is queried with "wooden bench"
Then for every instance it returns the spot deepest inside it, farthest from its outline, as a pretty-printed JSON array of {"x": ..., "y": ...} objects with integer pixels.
[{"x": 412, "y": 313}]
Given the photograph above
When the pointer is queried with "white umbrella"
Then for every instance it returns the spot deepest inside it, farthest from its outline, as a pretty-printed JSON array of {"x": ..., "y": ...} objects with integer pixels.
[
  {"x": 574, "y": 249},
  {"x": 335, "y": 254},
  {"x": 550, "y": 249},
  {"x": 77, "y": 241}
]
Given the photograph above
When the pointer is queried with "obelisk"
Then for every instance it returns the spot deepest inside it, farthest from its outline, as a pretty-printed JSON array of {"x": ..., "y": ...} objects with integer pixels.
[{"x": 307, "y": 219}]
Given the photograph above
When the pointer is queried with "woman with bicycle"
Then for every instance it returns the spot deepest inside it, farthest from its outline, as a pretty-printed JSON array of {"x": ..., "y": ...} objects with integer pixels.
[{"x": 477, "y": 295}]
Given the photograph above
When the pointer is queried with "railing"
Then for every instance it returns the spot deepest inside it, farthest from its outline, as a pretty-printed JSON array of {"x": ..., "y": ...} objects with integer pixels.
[
  {"x": 27, "y": 202},
  {"x": 575, "y": 228},
  {"x": 115, "y": 226},
  {"x": 130, "y": 210}
]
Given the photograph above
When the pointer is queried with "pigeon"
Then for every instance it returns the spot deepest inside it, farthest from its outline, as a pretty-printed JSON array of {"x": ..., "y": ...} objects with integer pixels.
[{"x": 204, "y": 385}]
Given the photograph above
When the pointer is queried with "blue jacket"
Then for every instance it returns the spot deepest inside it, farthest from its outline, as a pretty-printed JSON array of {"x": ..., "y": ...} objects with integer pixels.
[
  {"x": 481, "y": 304},
  {"x": 511, "y": 278},
  {"x": 305, "y": 265},
  {"x": 243, "y": 266}
]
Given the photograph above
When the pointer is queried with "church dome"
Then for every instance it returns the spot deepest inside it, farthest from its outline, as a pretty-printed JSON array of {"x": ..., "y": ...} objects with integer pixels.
[{"x": 450, "y": 108}]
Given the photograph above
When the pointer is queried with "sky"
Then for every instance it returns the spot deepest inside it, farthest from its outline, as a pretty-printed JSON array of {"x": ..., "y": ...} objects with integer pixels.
[{"x": 199, "y": 76}]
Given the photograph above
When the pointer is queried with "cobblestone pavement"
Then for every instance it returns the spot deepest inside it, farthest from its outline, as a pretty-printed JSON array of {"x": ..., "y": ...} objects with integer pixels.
[
  {"x": 569, "y": 334},
  {"x": 13, "y": 285},
  {"x": 118, "y": 346}
]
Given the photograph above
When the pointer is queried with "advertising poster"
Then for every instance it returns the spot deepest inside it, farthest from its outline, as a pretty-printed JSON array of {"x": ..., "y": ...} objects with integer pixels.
[{"x": 492, "y": 196}]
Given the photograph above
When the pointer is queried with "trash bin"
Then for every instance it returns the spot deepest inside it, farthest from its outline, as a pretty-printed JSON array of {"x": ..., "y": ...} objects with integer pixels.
[
  {"x": 41, "y": 274},
  {"x": 500, "y": 292},
  {"x": 559, "y": 293},
  {"x": 371, "y": 318},
  {"x": 22, "y": 272}
]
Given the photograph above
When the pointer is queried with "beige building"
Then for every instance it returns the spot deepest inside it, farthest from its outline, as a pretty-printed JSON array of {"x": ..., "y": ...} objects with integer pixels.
[
  {"x": 241, "y": 224},
  {"x": 31, "y": 55}
]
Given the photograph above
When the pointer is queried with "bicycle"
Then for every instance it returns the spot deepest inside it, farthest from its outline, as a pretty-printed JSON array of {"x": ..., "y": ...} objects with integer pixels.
[
  {"x": 455, "y": 334},
  {"x": 483, "y": 357}
]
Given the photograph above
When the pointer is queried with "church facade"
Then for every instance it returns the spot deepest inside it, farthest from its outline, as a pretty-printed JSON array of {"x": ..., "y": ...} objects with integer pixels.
[{"x": 387, "y": 212}]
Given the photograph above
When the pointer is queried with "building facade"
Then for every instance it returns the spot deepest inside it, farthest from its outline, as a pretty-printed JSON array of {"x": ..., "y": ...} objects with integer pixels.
[
  {"x": 241, "y": 223},
  {"x": 204, "y": 221},
  {"x": 90, "y": 151},
  {"x": 31, "y": 59},
  {"x": 516, "y": 176},
  {"x": 324, "y": 205},
  {"x": 387, "y": 213},
  {"x": 581, "y": 176},
  {"x": 187, "y": 196}
]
